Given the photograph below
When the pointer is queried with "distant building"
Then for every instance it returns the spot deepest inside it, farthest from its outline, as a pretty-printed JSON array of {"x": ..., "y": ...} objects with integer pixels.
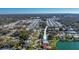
[{"x": 71, "y": 33}]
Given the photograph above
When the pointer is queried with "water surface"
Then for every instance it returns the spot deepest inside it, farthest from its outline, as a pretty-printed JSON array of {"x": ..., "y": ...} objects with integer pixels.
[{"x": 67, "y": 45}]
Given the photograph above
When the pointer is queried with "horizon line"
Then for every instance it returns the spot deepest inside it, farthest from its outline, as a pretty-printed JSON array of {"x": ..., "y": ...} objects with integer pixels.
[{"x": 40, "y": 13}]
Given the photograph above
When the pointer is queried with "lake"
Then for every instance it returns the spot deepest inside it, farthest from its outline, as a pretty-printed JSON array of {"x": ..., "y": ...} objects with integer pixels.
[{"x": 67, "y": 45}]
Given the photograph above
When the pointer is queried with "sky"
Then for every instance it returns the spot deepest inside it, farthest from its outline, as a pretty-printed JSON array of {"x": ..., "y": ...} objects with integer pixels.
[{"x": 37, "y": 10}]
